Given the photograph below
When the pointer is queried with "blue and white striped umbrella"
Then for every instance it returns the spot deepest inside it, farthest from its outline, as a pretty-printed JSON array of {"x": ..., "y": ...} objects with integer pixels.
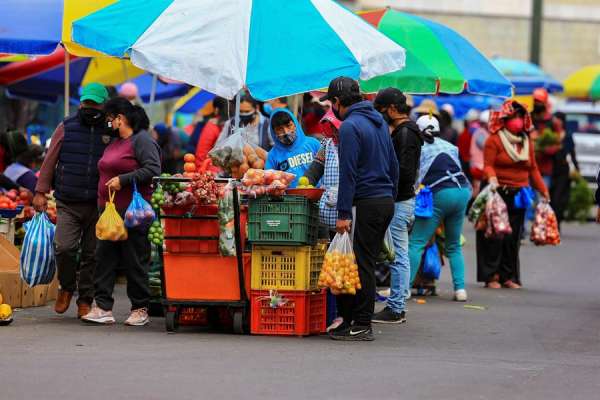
[{"x": 271, "y": 47}]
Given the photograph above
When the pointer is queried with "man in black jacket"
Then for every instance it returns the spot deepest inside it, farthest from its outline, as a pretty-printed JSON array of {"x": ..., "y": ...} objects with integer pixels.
[{"x": 391, "y": 103}]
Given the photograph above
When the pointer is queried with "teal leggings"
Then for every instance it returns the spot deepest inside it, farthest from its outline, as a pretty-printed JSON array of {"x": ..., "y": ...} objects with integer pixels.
[{"x": 449, "y": 206}]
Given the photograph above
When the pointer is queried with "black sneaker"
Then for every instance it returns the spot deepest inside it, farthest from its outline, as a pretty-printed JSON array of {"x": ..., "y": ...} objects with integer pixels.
[
  {"x": 353, "y": 334},
  {"x": 387, "y": 316}
]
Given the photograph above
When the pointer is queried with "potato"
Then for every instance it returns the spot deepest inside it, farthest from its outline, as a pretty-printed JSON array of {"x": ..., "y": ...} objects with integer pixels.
[{"x": 261, "y": 153}]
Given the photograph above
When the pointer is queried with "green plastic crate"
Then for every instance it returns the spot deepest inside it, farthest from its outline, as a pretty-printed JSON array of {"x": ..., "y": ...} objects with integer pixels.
[{"x": 289, "y": 220}]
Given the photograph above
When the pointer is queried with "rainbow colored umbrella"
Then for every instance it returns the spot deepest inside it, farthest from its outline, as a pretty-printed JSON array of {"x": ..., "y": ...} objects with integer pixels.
[
  {"x": 584, "y": 83},
  {"x": 438, "y": 60},
  {"x": 39, "y": 26},
  {"x": 526, "y": 76}
]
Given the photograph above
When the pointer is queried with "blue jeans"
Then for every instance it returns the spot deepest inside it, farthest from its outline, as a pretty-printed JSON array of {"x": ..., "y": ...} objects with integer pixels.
[
  {"x": 449, "y": 206},
  {"x": 404, "y": 215}
]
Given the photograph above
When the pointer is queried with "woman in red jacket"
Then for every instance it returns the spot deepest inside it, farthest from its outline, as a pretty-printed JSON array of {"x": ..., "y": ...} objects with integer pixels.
[{"x": 509, "y": 166}]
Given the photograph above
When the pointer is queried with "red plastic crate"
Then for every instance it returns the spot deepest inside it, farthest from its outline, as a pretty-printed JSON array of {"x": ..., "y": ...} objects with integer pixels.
[
  {"x": 305, "y": 313},
  {"x": 197, "y": 227}
]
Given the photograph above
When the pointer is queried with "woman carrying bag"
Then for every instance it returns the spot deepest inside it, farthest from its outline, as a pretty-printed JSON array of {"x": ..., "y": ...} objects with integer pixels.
[
  {"x": 132, "y": 157},
  {"x": 441, "y": 172},
  {"x": 509, "y": 166}
]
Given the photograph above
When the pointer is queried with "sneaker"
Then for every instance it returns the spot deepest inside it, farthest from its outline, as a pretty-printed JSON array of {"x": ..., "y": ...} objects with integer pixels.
[
  {"x": 138, "y": 317},
  {"x": 99, "y": 316},
  {"x": 460, "y": 295},
  {"x": 387, "y": 316},
  {"x": 335, "y": 324},
  {"x": 353, "y": 334}
]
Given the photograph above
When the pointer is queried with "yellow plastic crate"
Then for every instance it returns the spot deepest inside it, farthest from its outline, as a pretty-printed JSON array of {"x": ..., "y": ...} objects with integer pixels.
[{"x": 287, "y": 267}]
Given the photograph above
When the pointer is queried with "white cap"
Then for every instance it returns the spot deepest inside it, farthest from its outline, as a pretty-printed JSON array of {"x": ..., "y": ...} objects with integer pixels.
[
  {"x": 484, "y": 117},
  {"x": 472, "y": 115},
  {"x": 448, "y": 108},
  {"x": 428, "y": 124}
]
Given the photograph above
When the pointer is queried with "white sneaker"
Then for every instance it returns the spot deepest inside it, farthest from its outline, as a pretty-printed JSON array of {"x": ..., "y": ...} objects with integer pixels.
[
  {"x": 138, "y": 317},
  {"x": 99, "y": 316},
  {"x": 460, "y": 295}
]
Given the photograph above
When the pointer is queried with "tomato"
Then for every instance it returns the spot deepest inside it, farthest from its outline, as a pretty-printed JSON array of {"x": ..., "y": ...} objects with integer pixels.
[{"x": 189, "y": 167}]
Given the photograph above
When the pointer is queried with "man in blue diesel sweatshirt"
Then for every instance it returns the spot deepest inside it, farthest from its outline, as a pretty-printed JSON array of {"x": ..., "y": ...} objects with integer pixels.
[
  {"x": 293, "y": 151},
  {"x": 367, "y": 189}
]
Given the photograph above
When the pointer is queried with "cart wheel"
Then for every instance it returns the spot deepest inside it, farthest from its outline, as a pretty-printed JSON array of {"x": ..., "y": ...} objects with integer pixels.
[
  {"x": 171, "y": 321},
  {"x": 238, "y": 322}
]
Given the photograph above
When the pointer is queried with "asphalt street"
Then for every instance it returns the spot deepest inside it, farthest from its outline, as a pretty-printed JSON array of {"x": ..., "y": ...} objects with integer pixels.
[{"x": 542, "y": 342}]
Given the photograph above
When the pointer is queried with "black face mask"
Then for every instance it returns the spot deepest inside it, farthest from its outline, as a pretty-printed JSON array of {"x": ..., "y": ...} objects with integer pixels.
[
  {"x": 539, "y": 108},
  {"x": 247, "y": 118},
  {"x": 386, "y": 117},
  {"x": 91, "y": 116}
]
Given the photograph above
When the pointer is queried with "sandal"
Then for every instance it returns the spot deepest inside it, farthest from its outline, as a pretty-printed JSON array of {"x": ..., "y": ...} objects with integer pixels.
[
  {"x": 493, "y": 285},
  {"x": 511, "y": 285}
]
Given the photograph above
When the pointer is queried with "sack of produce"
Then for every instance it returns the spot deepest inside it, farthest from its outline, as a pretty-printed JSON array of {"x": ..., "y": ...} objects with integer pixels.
[
  {"x": 496, "y": 213},
  {"x": 110, "y": 225},
  {"x": 257, "y": 182},
  {"x": 37, "y": 253},
  {"x": 478, "y": 207},
  {"x": 432, "y": 263},
  {"x": 388, "y": 252},
  {"x": 340, "y": 271},
  {"x": 236, "y": 156},
  {"x": 544, "y": 230},
  {"x": 139, "y": 214},
  {"x": 226, "y": 218}
]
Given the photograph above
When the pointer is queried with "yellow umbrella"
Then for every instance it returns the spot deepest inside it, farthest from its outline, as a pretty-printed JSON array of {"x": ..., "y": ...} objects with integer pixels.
[{"x": 584, "y": 83}]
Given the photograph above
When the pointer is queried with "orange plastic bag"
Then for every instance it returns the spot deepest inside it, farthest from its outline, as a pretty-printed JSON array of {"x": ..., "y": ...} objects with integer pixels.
[
  {"x": 110, "y": 225},
  {"x": 340, "y": 271},
  {"x": 544, "y": 230}
]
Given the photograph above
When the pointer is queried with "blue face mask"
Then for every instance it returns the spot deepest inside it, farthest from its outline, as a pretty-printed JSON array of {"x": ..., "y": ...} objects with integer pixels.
[{"x": 267, "y": 108}]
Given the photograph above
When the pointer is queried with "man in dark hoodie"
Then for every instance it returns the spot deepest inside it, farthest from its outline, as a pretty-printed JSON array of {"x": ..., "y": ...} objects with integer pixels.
[
  {"x": 367, "y": 189},
  {"x": 406, "y": 136}
]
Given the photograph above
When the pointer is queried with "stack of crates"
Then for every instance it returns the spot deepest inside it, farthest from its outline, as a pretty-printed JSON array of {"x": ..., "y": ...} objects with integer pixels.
[{"x": 286, "y": 262}]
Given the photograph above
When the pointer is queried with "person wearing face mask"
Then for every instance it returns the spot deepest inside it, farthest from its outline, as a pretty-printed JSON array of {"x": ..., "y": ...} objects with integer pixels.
[
  {"x": 365, "y": 204},
  {"x": 255, "y": 125},
  {"x": 133, "y": 158},
  {"x": 406, "y": 136},
  {"x": 71, "y": 169},
  {"x": 542, "y": 120},
  {"x": 293, "y": 151},
  {"x": 509, "y": 166}
]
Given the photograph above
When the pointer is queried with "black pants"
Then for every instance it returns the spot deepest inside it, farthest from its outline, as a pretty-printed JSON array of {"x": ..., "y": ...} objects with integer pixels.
[
  {"x": 372, "y": 219},
  {"x": 560, "y": 190},
  {"x": 501, "y": 256},
  {"x": 132, "y": 256},
  {"x": 75, "y": 231}
]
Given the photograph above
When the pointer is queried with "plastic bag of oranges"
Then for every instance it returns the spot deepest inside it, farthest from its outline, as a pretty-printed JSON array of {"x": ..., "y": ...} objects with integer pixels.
[
  {"x": 110, "y": 225},
  {"x": 340, "y": 271}
]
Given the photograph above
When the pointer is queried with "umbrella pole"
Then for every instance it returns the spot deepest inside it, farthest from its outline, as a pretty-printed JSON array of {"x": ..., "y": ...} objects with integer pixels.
[
  {"x": 153, "y": 94},
  {"x": 237, "y": 111},
  {"x": 67, "y": 83}
]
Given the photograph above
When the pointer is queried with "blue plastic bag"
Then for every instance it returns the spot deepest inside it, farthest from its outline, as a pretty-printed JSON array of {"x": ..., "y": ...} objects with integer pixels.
[
  {"x": 139, "y": 214},
  {"x": 525, "y": 198},
  {"x": 424, "y": 203},
  {"x": 432, "y": 264},
  {"x": 37, "y": 254}
]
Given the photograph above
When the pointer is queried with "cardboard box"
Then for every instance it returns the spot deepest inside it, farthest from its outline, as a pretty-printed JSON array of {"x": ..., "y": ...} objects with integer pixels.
[
  {"x": 11, "y": 287},
  {"x": 9, "y": 256}
]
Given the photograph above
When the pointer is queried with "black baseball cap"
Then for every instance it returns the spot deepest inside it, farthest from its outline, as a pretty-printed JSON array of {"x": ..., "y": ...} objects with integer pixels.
[
  {"x": 389, "y": 96},
  {"x": 341, "y": 86}
]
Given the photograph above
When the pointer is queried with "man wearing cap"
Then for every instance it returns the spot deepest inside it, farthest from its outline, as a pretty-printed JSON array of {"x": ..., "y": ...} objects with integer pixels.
[
  {"x": 368, "y": 171},
  {"x": 406, "y": 136},
  {"x": 71, "y": 169}
]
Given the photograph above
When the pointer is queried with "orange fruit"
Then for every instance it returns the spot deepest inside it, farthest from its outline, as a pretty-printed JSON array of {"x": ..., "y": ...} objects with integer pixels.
[
  {"x": 189, "y": 167},
  {"x": 189, "y": 158}
]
